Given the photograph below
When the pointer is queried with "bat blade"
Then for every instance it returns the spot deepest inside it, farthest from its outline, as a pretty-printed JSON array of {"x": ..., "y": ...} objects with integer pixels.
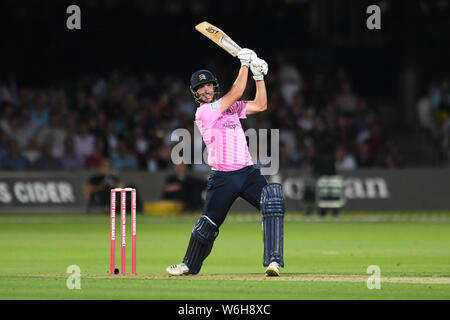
[{"x": 219, "y": 37}]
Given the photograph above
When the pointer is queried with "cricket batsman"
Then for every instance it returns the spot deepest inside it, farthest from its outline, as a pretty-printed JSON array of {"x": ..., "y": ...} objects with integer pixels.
[{"x": 232, "y": 173}]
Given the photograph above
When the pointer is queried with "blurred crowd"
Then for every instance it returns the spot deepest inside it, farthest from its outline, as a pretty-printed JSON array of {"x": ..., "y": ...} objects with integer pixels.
[
  {"x": 433, "y": 111},
  {"x": 129, "y": 119}
]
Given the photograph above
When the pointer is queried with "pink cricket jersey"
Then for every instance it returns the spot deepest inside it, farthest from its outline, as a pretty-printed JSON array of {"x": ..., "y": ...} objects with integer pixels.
[{"x": 223, "y": 135}]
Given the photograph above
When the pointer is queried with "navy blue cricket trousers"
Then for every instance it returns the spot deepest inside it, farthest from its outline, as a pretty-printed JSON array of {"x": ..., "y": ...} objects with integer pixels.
[{"x": 225, "y": 187}]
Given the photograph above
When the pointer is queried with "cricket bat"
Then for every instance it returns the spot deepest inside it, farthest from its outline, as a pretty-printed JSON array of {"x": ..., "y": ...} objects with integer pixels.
[{"x": 219, "y": 37}]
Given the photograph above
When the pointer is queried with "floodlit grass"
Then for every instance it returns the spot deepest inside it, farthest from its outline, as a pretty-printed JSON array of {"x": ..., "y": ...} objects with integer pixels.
[{"x": 325, "y": 259}]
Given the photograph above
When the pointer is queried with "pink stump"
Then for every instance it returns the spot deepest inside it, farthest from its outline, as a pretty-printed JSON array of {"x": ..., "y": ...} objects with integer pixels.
[
  {"x": 133, "y": 231},
  {"x": 123, "y": 212},
  {"x": 113, "y": 232}
]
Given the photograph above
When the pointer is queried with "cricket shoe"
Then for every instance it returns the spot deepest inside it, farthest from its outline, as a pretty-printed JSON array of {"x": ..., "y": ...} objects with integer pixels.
[
  {"x": 273, "y": 270},
  {"x": 178, "y": 269}
]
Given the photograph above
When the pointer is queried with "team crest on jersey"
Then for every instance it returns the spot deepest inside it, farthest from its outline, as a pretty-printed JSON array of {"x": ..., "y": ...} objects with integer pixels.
[
  {"x": 214, "y": 105},
  {"x": 201, "y": 77}
]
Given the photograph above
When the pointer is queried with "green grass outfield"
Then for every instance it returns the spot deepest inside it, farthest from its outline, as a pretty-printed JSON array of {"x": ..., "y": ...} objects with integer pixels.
[{"x": 325, "y": 259}]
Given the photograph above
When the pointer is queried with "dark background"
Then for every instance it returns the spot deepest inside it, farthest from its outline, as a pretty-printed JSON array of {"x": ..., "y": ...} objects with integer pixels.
[
  {"x": 138, "y": 35},
  {"x": 392, "y": 67}
]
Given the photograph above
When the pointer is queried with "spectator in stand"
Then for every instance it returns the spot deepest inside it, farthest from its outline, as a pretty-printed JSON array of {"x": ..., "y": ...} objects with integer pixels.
[
  {"x": 164, "y": 107},
  {"x": 140, "y": 141},
  {"x": 140, "y": 146},
  {"x": 150, "y": 160},
  {"x": 123, "y": 158},
  {"x": 47, "y": 161},
  {"x": 284, "y": 158},
  {"x": 14, "y": 161},
  {"x": 185, "y": 105},
  {"x": 39, "y": 114},
  {"x": 146, "y": 117},
  {"x": 84, "y": 141},
  {"x": 71, "y": 126},
  {"x": 363, "y": 157},
  {"x": 345, "y": 131},
  {"x": 375, "y": 142},
  {"x": 391, "y": 157},
  {"x": 344, "y": 161},
  {"x": 6, "y": 94},
  {"x": 131, "y": 107},
  {"x": 99, "y": 126},
  {"x": 100, "y": 184},
  {"x": 163, "y": 159},
  {"x": 4, "y": 145},
  {"x": 71, "y": 160},
  {"x": 6, "y": 116},
  {"x": 346, "y": 100},
  {"x": 92, "y": 110},
  {"x": 288, "y": 146},
  {"x": 94, "y": 160},
  {"x": 445, "y": 105},
  {"x": 111, "y": 137},
  {"x": 439, "y": 102},
  {"x": 16, "y": 131},
  {"x": 441, "y": 106},
  {"x": 52, "y": 102},
  {"x": 290, "y": 79},
  {"x": 32, "y": 151},
  {"x": 113, "y": 106},
  {"x": 362, "y": 114},
  {"x": 330, "y": 117},
  {"x": 182, "y": 186},
  {"x": 54, "y": 135}
]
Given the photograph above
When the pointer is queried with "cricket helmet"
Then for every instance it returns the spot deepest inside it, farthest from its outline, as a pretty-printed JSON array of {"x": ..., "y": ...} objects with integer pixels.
[{"x": 201, "y": 77}]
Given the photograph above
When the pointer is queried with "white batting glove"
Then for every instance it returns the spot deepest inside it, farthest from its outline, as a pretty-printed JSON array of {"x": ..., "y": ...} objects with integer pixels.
[
  {"x": 259, "y": 68},
  {"x": 246, "y": 56}
]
